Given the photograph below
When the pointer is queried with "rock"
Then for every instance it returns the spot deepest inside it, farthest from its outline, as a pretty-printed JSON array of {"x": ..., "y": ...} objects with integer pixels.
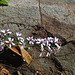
[
  {"x": 16, "y": 27},
  {"x": 58, "y": 18},
  {"x": 58, "y": 29},
  {"x": 26, "y": 13},
  {"x": 66, "y": 58},
  {"x": 21, "y": 2},
  {"x": 63, "y": 10}
]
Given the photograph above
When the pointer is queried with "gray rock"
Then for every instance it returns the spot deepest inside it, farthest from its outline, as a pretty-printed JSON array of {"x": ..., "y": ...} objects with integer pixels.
[
  {"x": 60, "y": 13},
  {"x": 25, "y": 11},
  {"x": 22, "y": 2},
  {"x": 26, "y": 14},
  {"x": 66, "y": 58},
  {"x": 20, "y": 16}
]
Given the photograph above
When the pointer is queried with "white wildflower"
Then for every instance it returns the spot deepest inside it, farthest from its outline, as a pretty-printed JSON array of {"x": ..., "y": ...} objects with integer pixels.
[
  {"x": 10, "y": 42},
  {"x": 6, "y": 31},
  {"x": 31, "y": 40}
]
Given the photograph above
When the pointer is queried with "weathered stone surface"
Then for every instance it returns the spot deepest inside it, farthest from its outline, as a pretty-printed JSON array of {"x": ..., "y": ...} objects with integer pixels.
[
  {"x": 63, "y": 10},
  {"x": 66, "y": 57},
  {"x": 20, "y": 16},
  {"x": 22, "y": 2},
  {"x": 57, "y": 1},
  {"x": 27, "y": 14},
  {"x": 18, "y": 27},
  {"x": 60, "y": 13},
  {"x": 57, "y": 28}
]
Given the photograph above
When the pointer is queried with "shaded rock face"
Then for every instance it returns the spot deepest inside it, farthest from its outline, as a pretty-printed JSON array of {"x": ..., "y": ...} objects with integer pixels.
[
  {"x": 58, "y": 29},
  {"x": 66, "y": 57},
  {"x": 50, "y": 18}
]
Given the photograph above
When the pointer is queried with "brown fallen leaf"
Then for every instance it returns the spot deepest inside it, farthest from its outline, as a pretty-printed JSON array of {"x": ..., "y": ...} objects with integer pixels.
[
  {"x": 13, "y": 49},
  {"x": 26, "y": 56},
  {"x": 57, "y": 71},
  {"x": 3, "y": 71},
  {"x": 66, "y": 73},
  {"x": 18, "y": 72}
]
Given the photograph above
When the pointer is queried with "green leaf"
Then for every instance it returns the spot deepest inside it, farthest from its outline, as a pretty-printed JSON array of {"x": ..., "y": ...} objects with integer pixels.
[
  {"x": 16, "y": 42},
  {"x": 7, "y": 47},
  {"x": 53, "y": 44},
  {"x": 3, "y": 2},
  {"x": 40, "y": 50},
  {"x": 6, "y": 37}
]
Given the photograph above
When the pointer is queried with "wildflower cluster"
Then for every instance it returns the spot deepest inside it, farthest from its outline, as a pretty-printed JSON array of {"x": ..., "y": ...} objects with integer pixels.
[
  {"x": 3, "y": 36},
  {"x": 6, "y": 39},
  {"x": 52, "y": 44}
]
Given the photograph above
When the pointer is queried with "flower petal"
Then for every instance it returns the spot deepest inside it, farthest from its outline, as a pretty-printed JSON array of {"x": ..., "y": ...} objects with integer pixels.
[
  {"x": 9, "y": 39},
  {"x": 9, "y": 32},
  {"x": 20, "y": 43},
  {"x": 10, "y": 45},
  {"x": 22, "y": 47},
  {"x": 3, "y": 31},
  {"x": 42, "y": 48},
  {"x": 40, "y": 54},
  {"x": 6, "y": 41},
  {"x": 13, "y": 44},
  {"x": 48, "y": 54}
]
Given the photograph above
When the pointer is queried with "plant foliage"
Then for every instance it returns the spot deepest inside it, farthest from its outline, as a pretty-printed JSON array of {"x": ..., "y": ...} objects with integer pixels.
[{"x": 4, "y": 2}]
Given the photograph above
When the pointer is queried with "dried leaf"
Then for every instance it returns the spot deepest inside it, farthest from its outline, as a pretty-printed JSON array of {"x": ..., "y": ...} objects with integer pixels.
[
  {"x": 19, "y": 73},
  {"x": 57, "y": 71},
  {"x": 66, "y": 73},
  {"x": 13, "y": 49},
  {"x": 6, "y": 72},
  {"x": 26, "y": 56},
  {"x": 3, "y": 71}
]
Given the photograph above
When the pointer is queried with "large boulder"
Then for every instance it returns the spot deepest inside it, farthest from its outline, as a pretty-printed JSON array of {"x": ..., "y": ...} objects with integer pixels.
[
  {"x": 58, "y": 17},
  {"x": 26, "y": 12},
  {"x": 63, "y": 10},
  {"x": 20, "y": 15}
]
